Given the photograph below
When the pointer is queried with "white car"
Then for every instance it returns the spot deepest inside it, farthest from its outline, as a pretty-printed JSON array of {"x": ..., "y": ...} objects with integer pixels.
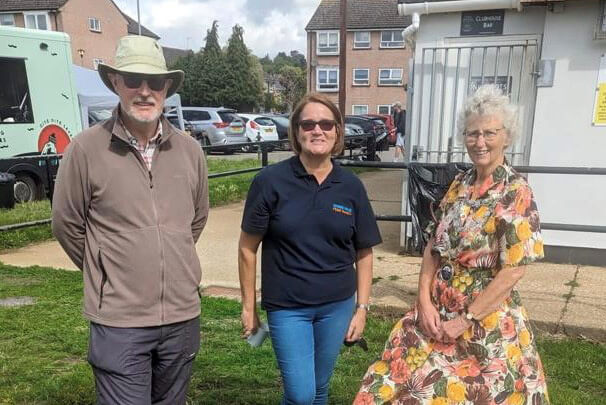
[{"x": 259, "y": 128}]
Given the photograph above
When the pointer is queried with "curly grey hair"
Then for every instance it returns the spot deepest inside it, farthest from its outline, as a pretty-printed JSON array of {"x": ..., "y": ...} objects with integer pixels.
[{"x": 490, "y": 100}]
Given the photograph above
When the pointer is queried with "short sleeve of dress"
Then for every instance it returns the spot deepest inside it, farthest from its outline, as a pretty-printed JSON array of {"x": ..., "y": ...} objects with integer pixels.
[
  {"x": 518, "y": 226},
  {"x": 257, "y": 210},
  {"x": 367, "y": 231}
]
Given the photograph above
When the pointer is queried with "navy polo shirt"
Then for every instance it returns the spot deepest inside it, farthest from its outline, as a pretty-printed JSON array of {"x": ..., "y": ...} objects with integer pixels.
[{"x": 311, "y": 233}]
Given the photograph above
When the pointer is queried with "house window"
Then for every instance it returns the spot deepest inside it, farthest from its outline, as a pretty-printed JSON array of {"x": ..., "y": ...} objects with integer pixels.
[
  {"x": 96, "y": 62},
  {"x": 37, "y": 21},
  {"x": 359, "y": 109},
  {"x": 94, "y": 24},
  {"x": 361, "y": 39},
  {"x": 384, "y": 109},
  {"x": 7, "y": 19},
  {"x": 392, "y": 39},
  {"x": 328, "y": 43},
  {"x": 361, "y": 77},
  {"x": 15, "y": 103},
  {"x": 390, "y": 77},
  {"x": 327, "y": 79}
]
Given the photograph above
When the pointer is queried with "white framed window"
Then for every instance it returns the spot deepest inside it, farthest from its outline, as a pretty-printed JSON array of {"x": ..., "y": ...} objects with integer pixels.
[
  {"x": 37, "y": 21},
  {"x": 96, "y": 62},
  {"x": 361, "y": 77},
  {"x": 94, "y": 24},
  {"x": 392, "y": 39},
  {"x": 384, "y": 109},
  {"x": 327, "y": 79},
  {"x": 328, "y": 42},
  {"x": 359, "y": 109},
  {"x": 390, "y": 77},
  {"x": 7, "y": 19},
  {"x": 361, "y": 40}
]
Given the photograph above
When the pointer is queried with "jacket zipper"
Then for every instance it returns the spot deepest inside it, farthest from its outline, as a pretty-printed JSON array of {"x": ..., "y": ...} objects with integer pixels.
[
  {"x": 151, "y": 190},
  {"x": 155, "y": 209}
]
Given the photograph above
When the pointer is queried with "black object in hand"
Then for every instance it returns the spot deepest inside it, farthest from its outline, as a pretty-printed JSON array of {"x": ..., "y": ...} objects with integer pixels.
[{"x": 360, "y": 342}]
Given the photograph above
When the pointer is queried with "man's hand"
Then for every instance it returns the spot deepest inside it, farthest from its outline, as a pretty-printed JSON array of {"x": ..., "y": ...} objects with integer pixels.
[
  {"x": 356, "y": 326},
  {"x": 250, "y": 322},
  {"x": 429, "y": 320},
  {"x": 454, "y": 328}
]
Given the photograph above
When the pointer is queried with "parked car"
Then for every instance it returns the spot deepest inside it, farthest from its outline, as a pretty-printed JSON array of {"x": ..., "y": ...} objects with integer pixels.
[
  {"x": 389, "y": 125},
  {"x": 282, "y": 123},
  {"x": 259, "y": 128},
  {"x": 370, "y": 125},
  {"x": 353, "y": 130},
  {"x": 222, "y": 126},
  {"x": 190, "y": 128}
]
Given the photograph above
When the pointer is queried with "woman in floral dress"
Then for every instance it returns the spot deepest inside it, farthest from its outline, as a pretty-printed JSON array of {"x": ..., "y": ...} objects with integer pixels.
[{"x": 468, "y": 339}]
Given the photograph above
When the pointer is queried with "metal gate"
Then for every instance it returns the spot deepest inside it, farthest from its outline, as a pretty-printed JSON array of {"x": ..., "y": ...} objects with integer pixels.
[{"x": 443, "y": 78}]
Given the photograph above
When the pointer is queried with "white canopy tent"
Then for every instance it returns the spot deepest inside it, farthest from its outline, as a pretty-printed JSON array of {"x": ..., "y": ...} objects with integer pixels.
[{"x": 94, "y": 95}]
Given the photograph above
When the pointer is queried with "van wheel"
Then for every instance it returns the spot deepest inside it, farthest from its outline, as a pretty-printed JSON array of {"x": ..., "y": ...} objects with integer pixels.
[{"x": 26, "y": 189}]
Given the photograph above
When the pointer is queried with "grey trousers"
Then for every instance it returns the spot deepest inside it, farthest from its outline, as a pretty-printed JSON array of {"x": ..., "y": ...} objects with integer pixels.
[{"x": 143, "y": 366}]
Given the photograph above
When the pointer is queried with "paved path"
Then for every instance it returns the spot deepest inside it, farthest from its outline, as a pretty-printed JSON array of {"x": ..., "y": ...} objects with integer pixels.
[{"x": 565, "y": 299}]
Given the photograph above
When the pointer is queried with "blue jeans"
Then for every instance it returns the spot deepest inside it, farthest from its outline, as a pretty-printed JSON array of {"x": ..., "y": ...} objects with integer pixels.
[{"x": 307, "y": 342}]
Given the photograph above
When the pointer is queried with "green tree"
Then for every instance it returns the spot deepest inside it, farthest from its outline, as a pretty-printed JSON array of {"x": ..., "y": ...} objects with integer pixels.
[
  {"x": 188, "y": 65},
  {"x": 209, "y": 73},
  {"x": 293, "y": 81},
  {"x": 244, "y": 76}
]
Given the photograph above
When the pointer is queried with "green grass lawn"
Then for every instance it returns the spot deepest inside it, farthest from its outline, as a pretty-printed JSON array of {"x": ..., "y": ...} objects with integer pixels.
[{"x": 43, "y": 352}]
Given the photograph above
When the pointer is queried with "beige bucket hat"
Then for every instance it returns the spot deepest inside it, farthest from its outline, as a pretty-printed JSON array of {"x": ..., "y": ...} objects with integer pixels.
[{"x": 140, "y": 55}]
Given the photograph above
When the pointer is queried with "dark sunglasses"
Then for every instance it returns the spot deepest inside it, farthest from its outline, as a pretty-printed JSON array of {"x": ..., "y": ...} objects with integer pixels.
[
  {"x": 325, "y": 125},
  {"x": 156, "y": 83}
]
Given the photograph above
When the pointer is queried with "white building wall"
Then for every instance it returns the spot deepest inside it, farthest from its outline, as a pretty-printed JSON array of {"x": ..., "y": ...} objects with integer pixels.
[{"x": 563, "y": 130}]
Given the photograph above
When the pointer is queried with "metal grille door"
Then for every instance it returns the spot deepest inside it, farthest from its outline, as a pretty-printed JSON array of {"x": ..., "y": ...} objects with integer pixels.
[{"x": 445, "y": 76}]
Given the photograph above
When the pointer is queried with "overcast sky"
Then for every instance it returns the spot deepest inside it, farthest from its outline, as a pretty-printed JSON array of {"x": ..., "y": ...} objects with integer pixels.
[{"x": 270, "y": 26}]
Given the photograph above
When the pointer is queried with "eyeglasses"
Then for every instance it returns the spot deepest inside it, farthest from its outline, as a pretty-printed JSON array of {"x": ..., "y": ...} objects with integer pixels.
[
  {"x": 155, "y": 83},
  {"x": 325, "y": 125},
  {"x": 489, "y": 134}
]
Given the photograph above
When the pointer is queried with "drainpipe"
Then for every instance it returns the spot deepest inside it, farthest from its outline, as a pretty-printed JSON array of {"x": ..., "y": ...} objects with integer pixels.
[
  {"x": 455, "y": 6},
  {"x": 412, "y": 29}
]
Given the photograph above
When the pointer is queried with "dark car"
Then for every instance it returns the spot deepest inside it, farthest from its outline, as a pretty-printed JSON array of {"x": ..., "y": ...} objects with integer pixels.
[
  {"x": 371, "y": 125},
  {"x": 389, "y": 125},
  {"x": 282, "y": 123}
]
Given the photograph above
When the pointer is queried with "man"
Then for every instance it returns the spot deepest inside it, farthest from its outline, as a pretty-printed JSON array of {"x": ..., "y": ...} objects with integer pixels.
[
  {"x": 131, "y": 201},
  {"x": 399, "y": 122}
]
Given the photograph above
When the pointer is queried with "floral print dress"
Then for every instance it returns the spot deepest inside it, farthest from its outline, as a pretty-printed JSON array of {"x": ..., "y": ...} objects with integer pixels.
[{"x": 495, "y": 361}]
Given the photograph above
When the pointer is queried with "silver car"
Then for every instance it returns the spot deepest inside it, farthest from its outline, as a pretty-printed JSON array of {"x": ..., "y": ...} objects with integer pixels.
[{"x": 222, "y": 126}]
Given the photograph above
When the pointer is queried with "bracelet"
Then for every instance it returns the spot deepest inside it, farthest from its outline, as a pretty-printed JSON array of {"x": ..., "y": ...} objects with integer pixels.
[{"x": 365, "y": 307}]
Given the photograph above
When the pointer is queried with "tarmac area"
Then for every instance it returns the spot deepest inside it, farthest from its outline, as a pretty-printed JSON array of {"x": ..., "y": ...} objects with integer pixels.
[{"x": 562, "y": 299}]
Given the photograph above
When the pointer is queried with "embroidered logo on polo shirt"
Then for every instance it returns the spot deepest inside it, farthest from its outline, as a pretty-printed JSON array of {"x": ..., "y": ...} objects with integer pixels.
[{"x": 341, "y": 209}]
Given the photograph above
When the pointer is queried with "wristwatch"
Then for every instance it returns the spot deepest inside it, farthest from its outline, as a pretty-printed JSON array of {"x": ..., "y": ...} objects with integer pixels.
[
  {"x": 365, "y": 307},
  {"x": 469, "y": 315}
]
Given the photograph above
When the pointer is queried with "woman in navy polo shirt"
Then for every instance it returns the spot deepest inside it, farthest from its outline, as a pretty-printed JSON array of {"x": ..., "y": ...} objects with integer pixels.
[{"x": 318, "y": 230}]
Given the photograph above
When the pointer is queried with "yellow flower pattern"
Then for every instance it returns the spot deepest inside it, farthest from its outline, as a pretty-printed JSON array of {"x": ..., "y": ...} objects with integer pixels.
[{"x": 456, "y": 392}]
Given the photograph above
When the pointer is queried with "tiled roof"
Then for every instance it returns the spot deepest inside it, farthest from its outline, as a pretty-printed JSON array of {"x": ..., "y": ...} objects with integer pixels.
[
  {"x": 172, "y": 54},
  {"x": 25, "y": 5},
  {"x": 133, "y": 28},
  {"x": 360, "y": 14},
  {"x": 17, "y": 5}
]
